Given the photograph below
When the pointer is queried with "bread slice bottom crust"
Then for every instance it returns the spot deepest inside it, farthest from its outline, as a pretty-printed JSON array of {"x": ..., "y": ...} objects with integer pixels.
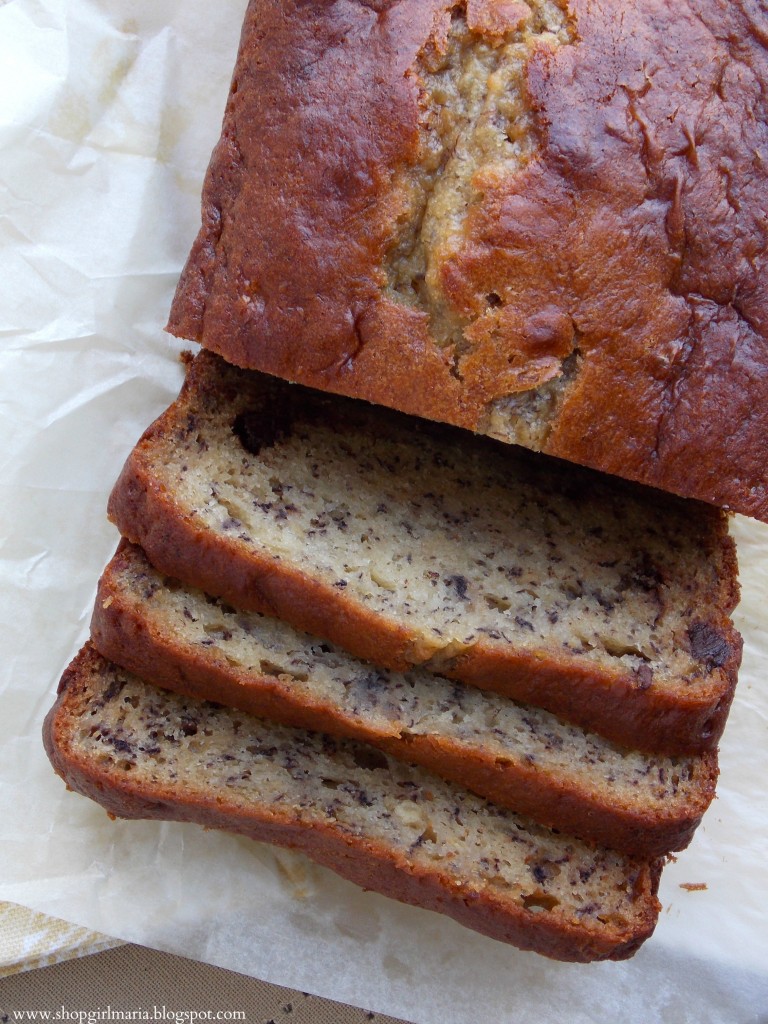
[
  {"x": 145, "y": 753},
  {"x": 513, "y": 754}
]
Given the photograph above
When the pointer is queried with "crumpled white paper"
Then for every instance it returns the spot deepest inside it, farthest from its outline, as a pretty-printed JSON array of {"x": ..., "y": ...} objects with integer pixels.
[{"x": 108, "y": 113}]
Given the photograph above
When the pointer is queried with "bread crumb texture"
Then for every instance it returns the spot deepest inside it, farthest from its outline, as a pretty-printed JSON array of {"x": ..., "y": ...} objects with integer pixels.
[
  {"x": 463, "y": 540},
  {"x": 183, "y": 753},
  {"x": 415, "y": 703}
]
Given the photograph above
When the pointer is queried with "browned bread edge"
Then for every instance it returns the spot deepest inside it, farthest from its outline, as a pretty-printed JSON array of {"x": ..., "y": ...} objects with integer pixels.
[
  {"x": 646, "y": 256},
  {"x": 613, "y": 705},
  {"x": 368, "y": 864},
  {"x": 124, "y": 637}
]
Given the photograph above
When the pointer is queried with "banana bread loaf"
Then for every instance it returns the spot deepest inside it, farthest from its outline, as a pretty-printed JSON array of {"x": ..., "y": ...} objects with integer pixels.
[
  {"x": 513, "y": 754},
  {"x": 145, "y": 753},
  {"x": 412, "y": 543},
  {"x": 541, "y": 220}
]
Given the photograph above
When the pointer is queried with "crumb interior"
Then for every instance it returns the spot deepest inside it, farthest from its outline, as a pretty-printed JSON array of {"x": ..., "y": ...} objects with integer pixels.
[
  {"x": 209, "y": 753},
  {"x": 475, "y": 118},
  {"x": 476, "y": 126},
  {"x": 376, "y": 701},
  {"x": 461, "y": 539}
]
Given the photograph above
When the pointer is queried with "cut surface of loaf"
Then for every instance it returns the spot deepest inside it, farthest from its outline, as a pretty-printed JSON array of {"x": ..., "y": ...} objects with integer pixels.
[
  {"x": 541, "y": 220},
  {"x": 144, "y": 752},
  {"x": 513, "y": 754},
  {"x": 410, "y": 543}
]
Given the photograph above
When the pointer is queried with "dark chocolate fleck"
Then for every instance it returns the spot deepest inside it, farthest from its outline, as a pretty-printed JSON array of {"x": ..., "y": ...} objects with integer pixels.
[
  {"x": 372, "y": 681},
  {"x": 113, "y": 690},
  {"x": 122, "y": 745},
  {"x": 460, "y": 584},
  {"x": 264, "y": 427},
  {"x": 643, "y": 575},
  {"x": 644, "y": 676},
  {"x": 603, "y": 601},
  {"x": 709, "y": 645}
]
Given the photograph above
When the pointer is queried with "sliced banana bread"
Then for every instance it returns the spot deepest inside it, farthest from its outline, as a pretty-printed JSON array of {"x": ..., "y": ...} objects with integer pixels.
[
  {"x": 411, "y": 543},
  {"x": 516, "y": 755},
  {"x": 144, "y": 752}
]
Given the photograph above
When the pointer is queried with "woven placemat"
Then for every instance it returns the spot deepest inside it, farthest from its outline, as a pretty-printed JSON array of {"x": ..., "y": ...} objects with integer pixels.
[{"x": 29, "y": 940}]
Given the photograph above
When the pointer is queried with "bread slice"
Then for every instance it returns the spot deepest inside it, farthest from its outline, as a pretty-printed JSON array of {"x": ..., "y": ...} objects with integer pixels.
[
  {"x": 410, "y": 543},
  {"x": 515, "y": 755},
  {"x": 145, "y": 753}
]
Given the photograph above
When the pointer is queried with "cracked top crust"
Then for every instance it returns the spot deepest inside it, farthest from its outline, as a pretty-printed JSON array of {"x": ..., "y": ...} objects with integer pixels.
[{"x": 542, "y": 221}]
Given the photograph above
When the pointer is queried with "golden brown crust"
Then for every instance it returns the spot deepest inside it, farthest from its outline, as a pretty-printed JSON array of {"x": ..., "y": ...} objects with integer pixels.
[
  {"x": 633, "y": 238},
  {"x": 367, "y": 863},
  {"x": 123, "y": 636},
  {"x": 612, "y": 703}
]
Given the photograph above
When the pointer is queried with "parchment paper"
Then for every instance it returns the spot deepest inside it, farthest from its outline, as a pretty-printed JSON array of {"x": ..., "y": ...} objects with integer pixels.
[{"x": 108, "y": 113}]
